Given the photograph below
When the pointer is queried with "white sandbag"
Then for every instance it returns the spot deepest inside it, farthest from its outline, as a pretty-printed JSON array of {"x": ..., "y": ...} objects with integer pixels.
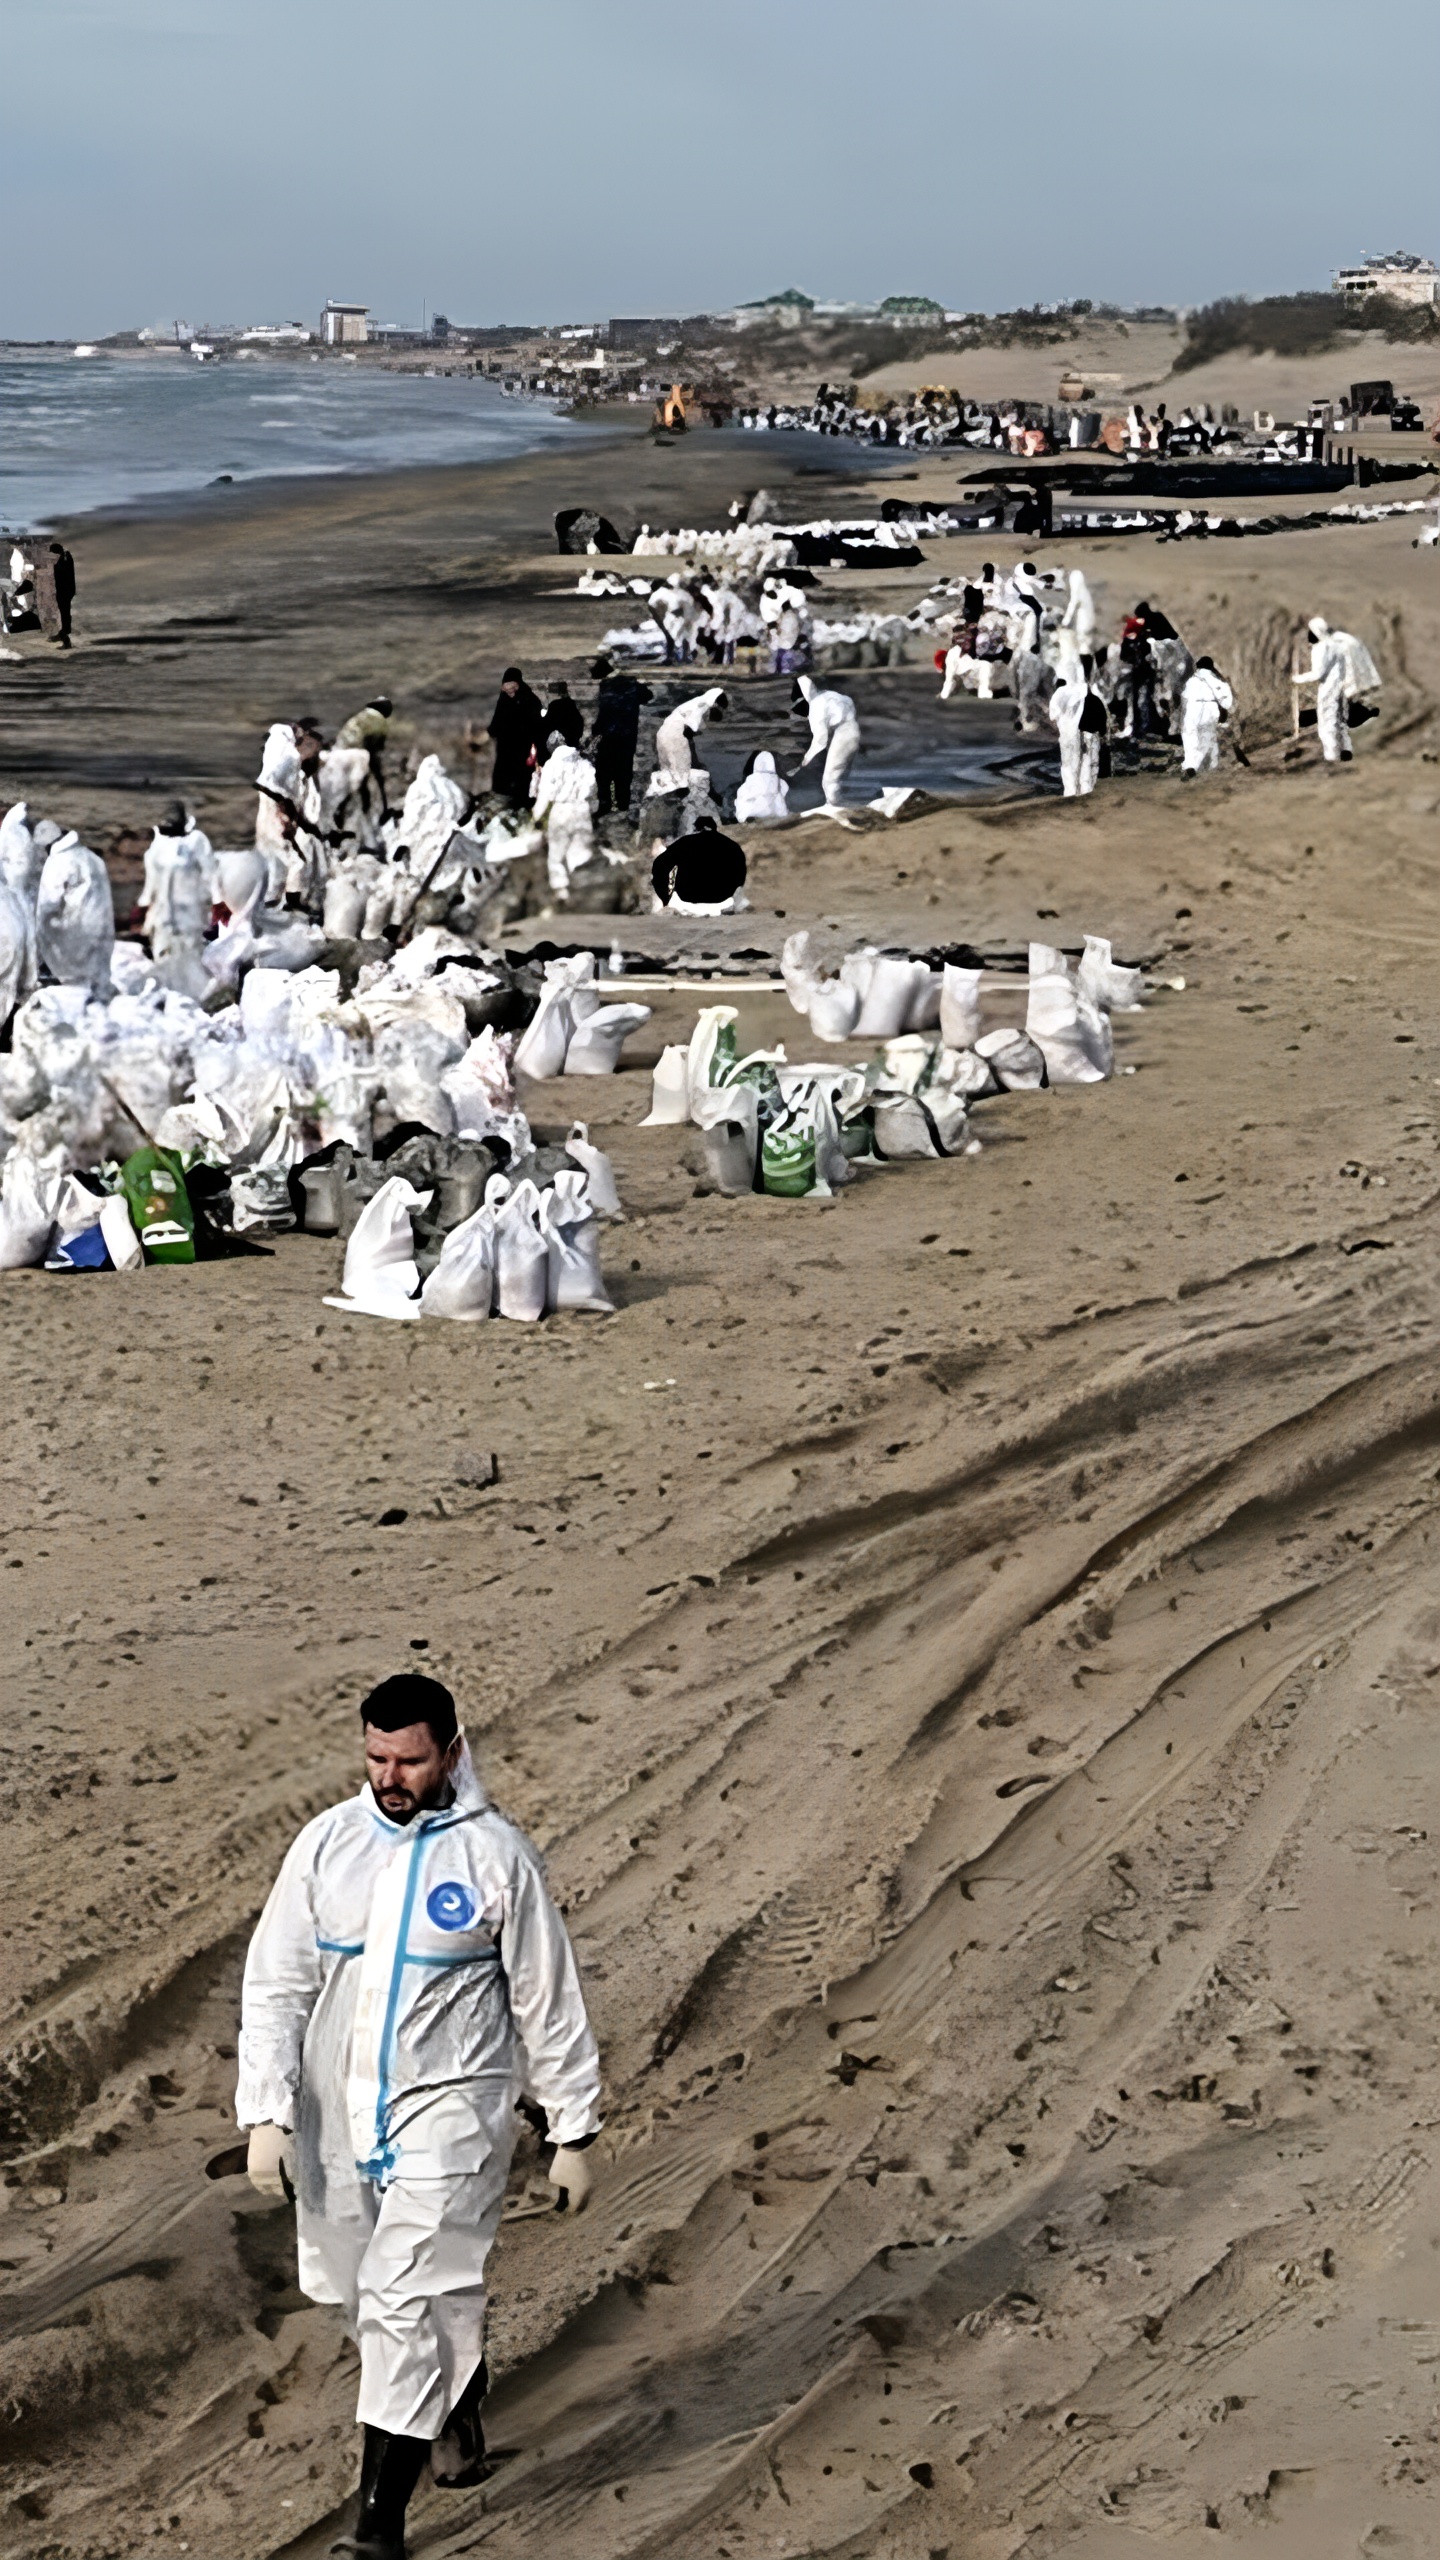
[
  {"x": 729, "y": 1116},
  {"x": 411, "y": 1058},
  {"x": 907, "y": 1062},
  {"x": 670, "y": 1090},
  {"x": 596, "y": 1041},
  {"x": 572, "y": 1242},
  {"x": 241, "y": 880},
  {"x": 832, "y": 1165},
  {"x": 799, "y": 972},
  {"x": 909, "y": 1125},
  {"x": 77, "y": 1214},
  {"x": 1072, "y": 1033},
  {"x": 834, "y": 1009},
  {"x": 118, "y": 1229},
  {"x": 1047, "y": 961},
  {"x": 462, "y": 1284},
  {"x": 1113, "y": 989},
  {"x": 923, "y": 1011},
  {"x": 75, "y": 916},
  {"x": 712, "y": 1050},
  {"x": 965, "y": 1073},
  {"x": 541, "y": 1048},
  {"x": 346, "y": 897},
  {"x": 1014, "y": 1060},
  {"x": 959, "y": 1006},
  {"x": 382, "y": 1277},
  {"x": 522, "y": 1256},
  {"x": 31, "y": 1189},
  {"x": 598, "y": 1171},
  {"x": 17, "y": 950},
  {"x": 888, "y": 997},
  {"x": 379, "y": 904}
]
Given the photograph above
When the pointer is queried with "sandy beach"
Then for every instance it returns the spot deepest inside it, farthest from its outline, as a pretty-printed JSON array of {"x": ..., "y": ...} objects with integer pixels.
[{"x": 967, "y": 1649}]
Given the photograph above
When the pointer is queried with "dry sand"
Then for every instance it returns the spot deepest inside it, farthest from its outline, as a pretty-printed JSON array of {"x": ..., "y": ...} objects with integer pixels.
[{"x": 969, "y": 1651}]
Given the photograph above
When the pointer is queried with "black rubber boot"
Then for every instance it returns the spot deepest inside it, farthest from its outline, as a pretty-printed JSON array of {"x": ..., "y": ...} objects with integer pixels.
[
  {"x": 457, "y": 2458},
  {"x": 389, "y": 2469}
]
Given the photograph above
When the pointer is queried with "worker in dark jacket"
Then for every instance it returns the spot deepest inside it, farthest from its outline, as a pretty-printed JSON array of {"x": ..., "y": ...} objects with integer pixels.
[
  {"x": 564, "y": 718},
  {"x": 517, "y": 730},
  {"x": 616, "y": 729},
  {"x": 701, "y": 874},
  {"x": 64, "y": 589}
]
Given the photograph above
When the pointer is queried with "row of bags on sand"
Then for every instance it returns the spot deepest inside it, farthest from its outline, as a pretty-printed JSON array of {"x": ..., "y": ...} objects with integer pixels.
[
  {"x": 526, "y": 1252},
  {"x": 529, "y": 1248},
  {"x": 800, "y": 1131},
  {"x": 877, "y": 995}
]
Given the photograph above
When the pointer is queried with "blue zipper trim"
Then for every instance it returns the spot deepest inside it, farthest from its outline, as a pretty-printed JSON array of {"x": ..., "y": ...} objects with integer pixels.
[
  {"x": 482, "y": 1955},
  {"x": 339, "y": 1947},
  {"x": 382, "y": 2153}
]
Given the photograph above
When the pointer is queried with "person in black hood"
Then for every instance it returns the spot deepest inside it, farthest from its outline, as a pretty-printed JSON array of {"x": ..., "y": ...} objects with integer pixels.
[
  {"x": 699, "y": 874},
  {"x": 564, "y": 718},
  {"x": 516, "y": 726},
  {"x": 615, "y": 731}
]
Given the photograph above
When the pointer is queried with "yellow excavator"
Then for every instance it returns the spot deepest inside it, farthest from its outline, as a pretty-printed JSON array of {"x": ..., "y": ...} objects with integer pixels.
[{"x": 673, "y": 407}]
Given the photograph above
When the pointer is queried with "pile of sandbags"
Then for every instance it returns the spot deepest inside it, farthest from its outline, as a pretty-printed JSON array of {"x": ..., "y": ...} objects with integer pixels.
[
  {"x": 571, "y": 1032},
  {"x": 530, "y": 1248},
  {"x": 801, "y": 1130},
  {"x": 880, "y": 995}
]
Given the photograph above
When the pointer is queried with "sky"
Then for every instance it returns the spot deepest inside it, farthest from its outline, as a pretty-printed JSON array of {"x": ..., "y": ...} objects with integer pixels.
[{"x": 243, "y": 160}]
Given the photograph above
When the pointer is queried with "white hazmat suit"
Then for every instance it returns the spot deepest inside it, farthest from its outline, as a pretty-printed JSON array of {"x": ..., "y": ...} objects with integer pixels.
[
  {"x": 674, "y": 761},
  {"x": 1341, "y": 668},
  {"x": 1206, "y": 702},
  {"x": 834, "y": 733},
  {"x": 406, "y": 1983},
  {"x": 1079, "y": 615},
  {"x": 566, "y": 799},
  {"x": 1079, "y": 749},
  {"x": 763, "y": 798}
]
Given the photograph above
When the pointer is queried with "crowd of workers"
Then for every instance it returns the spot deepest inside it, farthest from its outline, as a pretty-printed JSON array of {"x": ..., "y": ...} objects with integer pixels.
[{"x": 1020, "y": 427}]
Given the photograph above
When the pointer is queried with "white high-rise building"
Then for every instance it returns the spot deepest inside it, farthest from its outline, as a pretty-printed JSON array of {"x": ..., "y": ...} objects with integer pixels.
[{"x": 345, "y": 324}]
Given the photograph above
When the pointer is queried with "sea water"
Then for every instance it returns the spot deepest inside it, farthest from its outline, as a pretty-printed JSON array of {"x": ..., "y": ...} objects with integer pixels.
[{"x": 82, "y": 432}]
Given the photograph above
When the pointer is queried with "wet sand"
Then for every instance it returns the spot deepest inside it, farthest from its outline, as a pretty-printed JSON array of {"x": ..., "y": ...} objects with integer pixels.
[{"x": 968, "y": 1650}]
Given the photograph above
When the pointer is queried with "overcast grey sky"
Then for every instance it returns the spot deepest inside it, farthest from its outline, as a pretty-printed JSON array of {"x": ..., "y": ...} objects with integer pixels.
[{"x": 243, "y": 159}]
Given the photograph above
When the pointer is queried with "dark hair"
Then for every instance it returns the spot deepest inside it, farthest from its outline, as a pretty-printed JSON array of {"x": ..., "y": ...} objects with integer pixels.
[
  {"x": 705, "y": 827},
  {"x": 381, "y": 702},
  {"x": 409, "y": 1698},
  {"x": 601, "y": 668},
  {"x": 512, "y": 675},
  {"x": 171, "y": 821}
]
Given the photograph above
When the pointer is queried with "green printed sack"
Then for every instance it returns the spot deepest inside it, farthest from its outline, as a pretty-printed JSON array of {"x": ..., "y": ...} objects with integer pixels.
[
  {"x": 787, "y": 1156},
  {"x": 153, "y": 1181}
]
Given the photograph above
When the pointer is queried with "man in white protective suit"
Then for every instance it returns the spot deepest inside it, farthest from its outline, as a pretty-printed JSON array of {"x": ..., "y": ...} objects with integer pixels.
[
  {"x": 1205, "y": 705},
  {"x": 1079, "y": 745},
  {"x": 1341, "y": 668},
  {"x": 674, "y": 759},
  {"x": 566, "y": 797},
  {"x": 834, "y": 734},
  {"x": 410, "y": 1979}
]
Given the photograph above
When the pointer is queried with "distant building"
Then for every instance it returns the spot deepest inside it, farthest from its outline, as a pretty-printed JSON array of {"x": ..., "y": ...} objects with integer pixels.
[
  {"x": 1401, "y": 277},
  {"x": 276, "y": 333},
  {"x": 345, "y": 324},
  {"x": 788, "y": 310}
]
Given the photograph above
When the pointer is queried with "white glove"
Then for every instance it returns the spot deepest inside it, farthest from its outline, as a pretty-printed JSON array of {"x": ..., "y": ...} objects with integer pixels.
[
  {"x": 571, "y": 2176},
  {"x": 266, "y": 2164}
]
